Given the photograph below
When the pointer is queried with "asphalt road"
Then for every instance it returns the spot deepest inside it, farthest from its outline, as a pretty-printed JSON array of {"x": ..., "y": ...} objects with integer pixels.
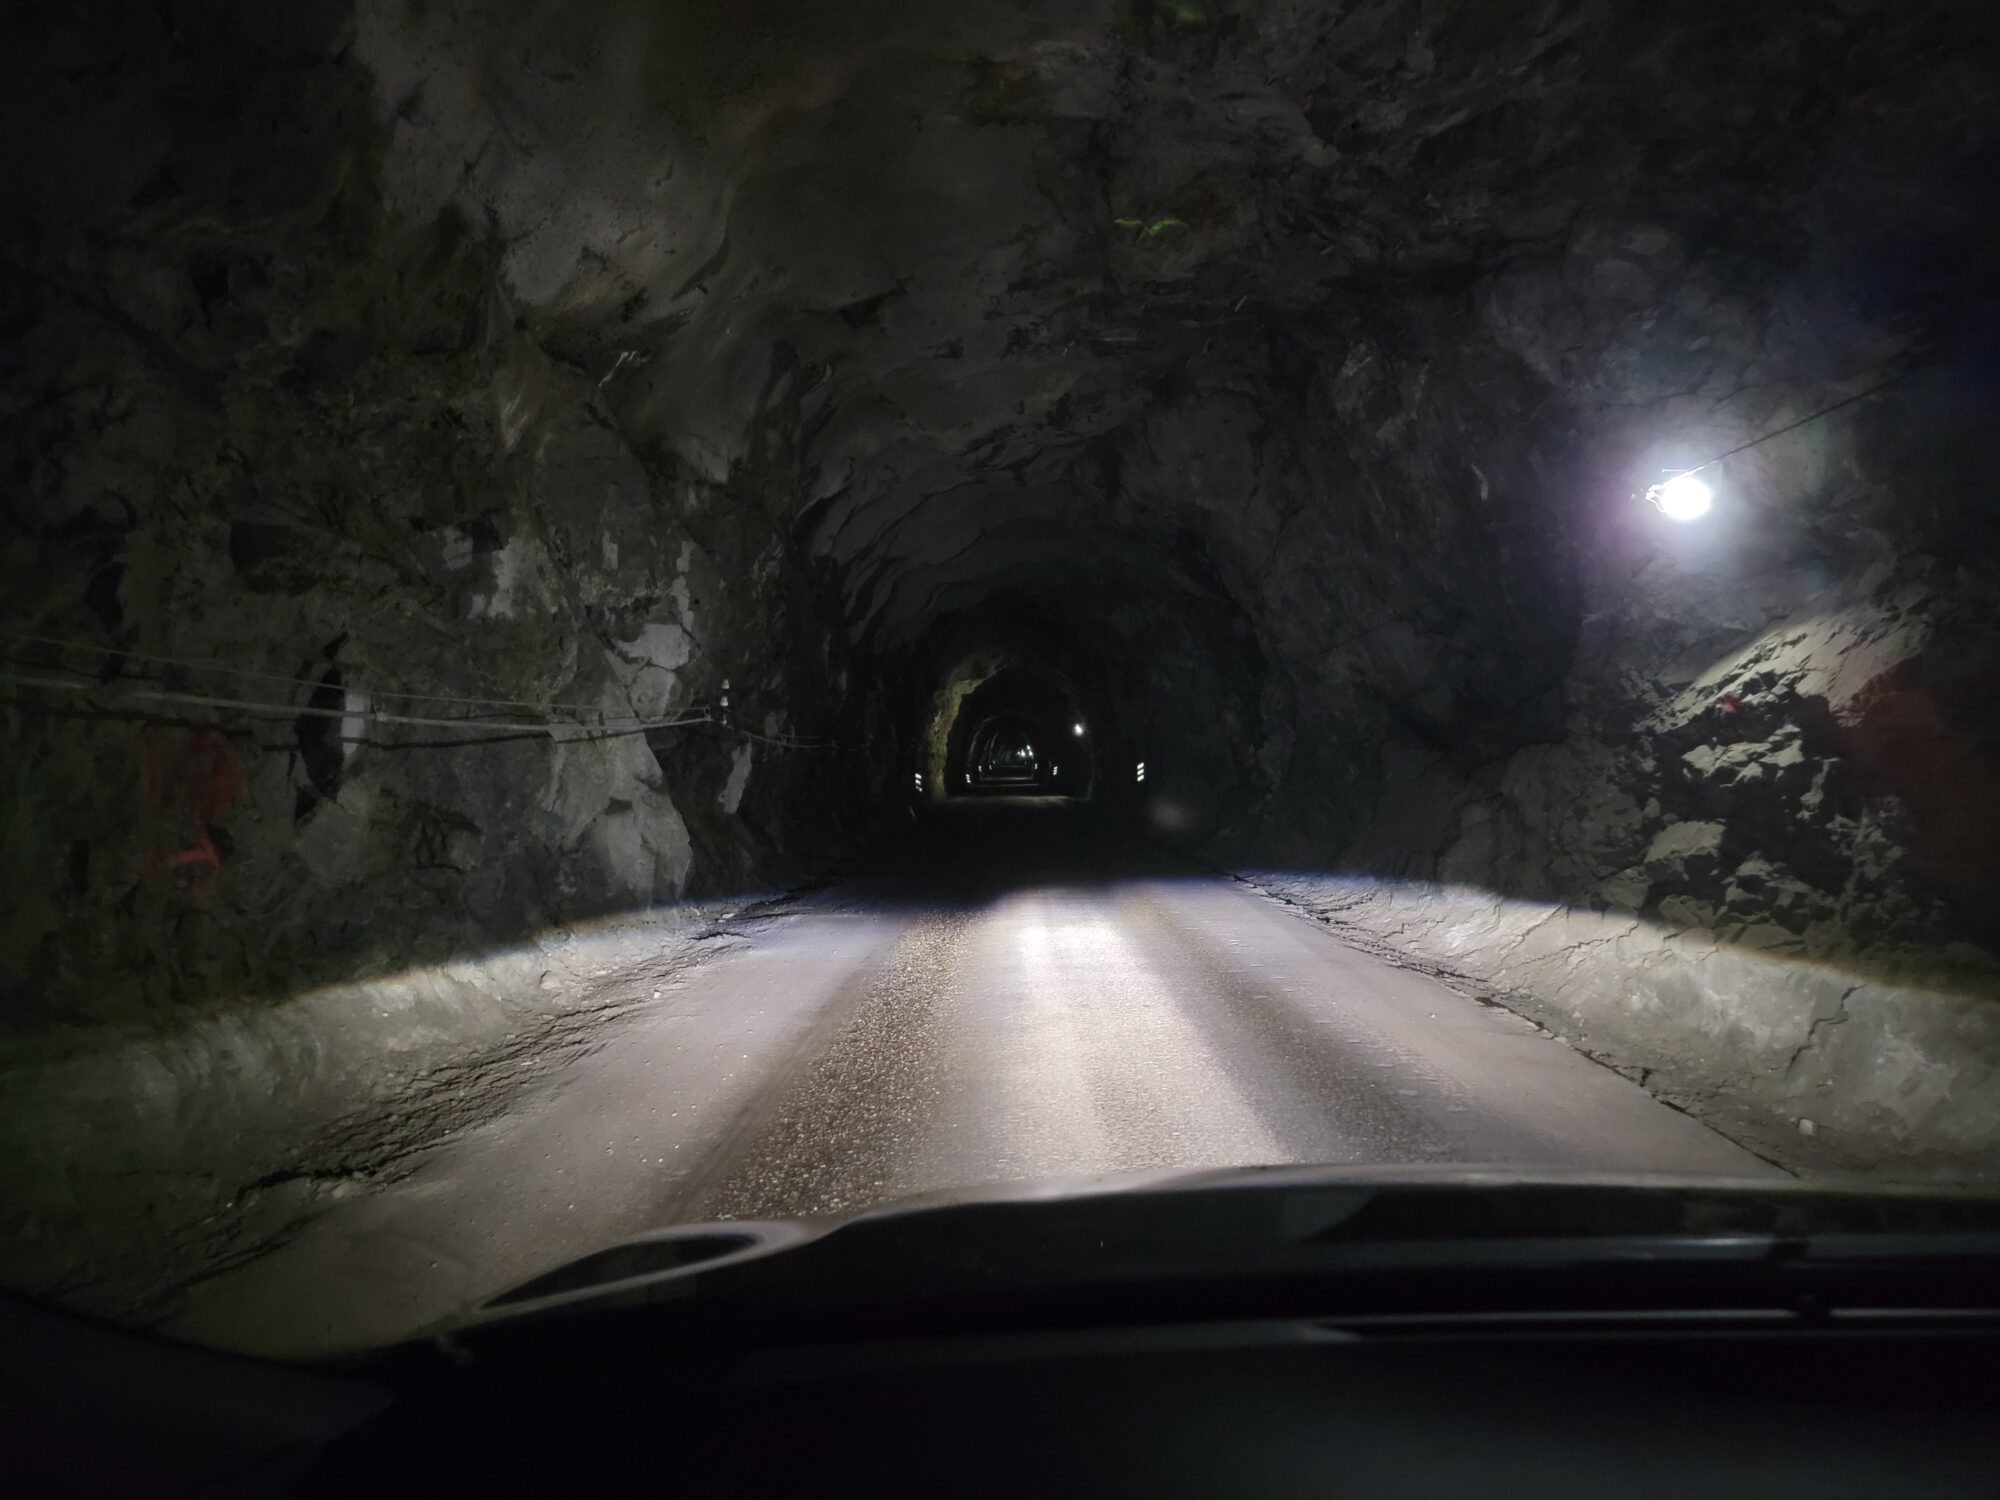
[{"x": 1005, "y": 1002}]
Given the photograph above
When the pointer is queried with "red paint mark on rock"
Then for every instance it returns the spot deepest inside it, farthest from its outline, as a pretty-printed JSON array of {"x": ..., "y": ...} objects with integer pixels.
[
  {"x": 190, "y": 779},
  {"x": 1904, "y": 737}
]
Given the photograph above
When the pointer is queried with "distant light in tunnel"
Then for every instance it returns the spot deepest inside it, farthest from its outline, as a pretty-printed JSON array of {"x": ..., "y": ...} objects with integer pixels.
[
  {"x": 1079, "y": 728},
  {"x": 1142, "y": 770},
  {"x": 1681, "y": 498}
]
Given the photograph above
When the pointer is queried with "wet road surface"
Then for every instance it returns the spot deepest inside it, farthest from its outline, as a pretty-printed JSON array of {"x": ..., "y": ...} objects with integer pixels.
[{"x": 1010, "y": 1002}]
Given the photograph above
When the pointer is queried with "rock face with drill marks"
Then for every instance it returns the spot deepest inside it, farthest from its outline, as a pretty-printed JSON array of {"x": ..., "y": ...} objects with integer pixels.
[{"x": 1282, "y": 376}]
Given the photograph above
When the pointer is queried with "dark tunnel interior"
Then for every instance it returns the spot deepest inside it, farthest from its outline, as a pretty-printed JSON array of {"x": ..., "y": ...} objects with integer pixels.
[{"x": 480, "y": 474}]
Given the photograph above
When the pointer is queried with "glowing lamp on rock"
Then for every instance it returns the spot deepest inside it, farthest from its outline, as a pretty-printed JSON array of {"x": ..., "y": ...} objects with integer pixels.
[{"x": 1681, "y": 498}]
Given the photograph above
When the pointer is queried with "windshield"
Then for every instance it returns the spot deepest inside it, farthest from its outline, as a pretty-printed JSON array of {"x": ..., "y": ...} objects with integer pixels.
[{"x": 628, "y": 616}]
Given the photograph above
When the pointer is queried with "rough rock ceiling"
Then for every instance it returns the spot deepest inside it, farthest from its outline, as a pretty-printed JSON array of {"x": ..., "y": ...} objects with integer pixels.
[{"x": 946, "y": 259}]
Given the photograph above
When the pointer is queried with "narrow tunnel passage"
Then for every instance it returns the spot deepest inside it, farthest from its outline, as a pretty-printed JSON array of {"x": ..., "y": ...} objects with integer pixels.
[
  {"x": 917, "y": 596},
  {"x": 1019, "y": 730}
]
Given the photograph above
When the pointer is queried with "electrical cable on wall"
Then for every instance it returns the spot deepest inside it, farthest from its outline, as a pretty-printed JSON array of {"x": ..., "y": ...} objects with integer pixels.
[
  {"x": 594, "y": 717},
  {"x": 249, "y": 673},
  {"x": 1825, "y": 411},
  {"x": 373, "y": 716},
  {"x": 483, "y": 729},
  {"x": 1682, "y": 496}
]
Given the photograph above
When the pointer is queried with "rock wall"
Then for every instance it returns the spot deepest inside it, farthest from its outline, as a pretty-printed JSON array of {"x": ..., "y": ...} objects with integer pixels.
[
  {"x": 337, "y": 603},
  {"x": 1754, "y": 866},
  {"x": 1734, "y": 827}
]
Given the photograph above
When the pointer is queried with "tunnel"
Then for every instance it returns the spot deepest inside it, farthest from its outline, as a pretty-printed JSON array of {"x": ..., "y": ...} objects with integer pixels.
[{"x": 512, "y": 503}]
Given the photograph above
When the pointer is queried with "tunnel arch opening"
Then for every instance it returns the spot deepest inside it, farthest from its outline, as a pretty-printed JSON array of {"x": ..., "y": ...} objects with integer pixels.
[
  {"x": 1173, "y": 676},
  {"x": 1015, "y": 732}
]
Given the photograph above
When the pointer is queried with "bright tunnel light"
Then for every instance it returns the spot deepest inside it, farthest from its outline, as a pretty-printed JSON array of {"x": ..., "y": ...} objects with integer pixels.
[
  {"x": 1079, "y": 728},
  {"x": 1683, "y": 498}
]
